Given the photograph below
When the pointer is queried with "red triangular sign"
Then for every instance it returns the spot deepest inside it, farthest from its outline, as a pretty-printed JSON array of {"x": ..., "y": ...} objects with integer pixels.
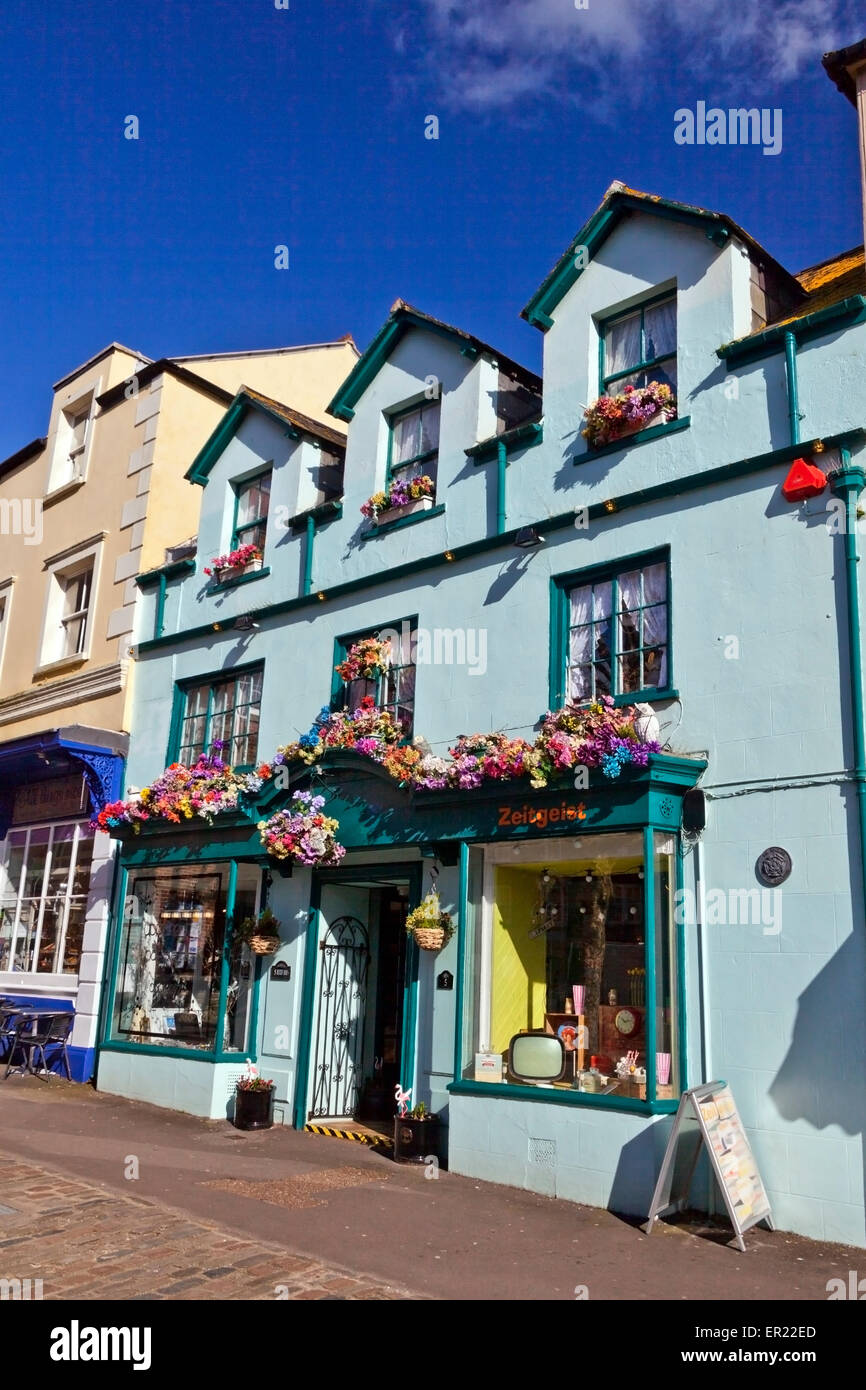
[{"x": 804, "y": 480}]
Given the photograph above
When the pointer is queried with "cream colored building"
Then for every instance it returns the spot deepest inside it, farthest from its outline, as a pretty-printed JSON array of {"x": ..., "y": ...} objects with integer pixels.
[{"x": 99, "y": 500}]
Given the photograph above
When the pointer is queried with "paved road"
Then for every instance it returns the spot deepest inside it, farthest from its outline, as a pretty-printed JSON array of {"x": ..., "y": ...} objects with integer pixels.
[{"x": 187, "y": 1208}]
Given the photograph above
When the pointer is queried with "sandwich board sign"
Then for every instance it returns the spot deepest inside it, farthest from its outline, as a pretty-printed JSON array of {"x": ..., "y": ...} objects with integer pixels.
[{"x": 707, "y": 1115}]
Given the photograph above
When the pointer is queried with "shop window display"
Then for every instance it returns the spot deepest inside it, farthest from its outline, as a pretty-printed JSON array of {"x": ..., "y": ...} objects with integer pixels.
[
  {"x": 44, "y": 885},
  {"x": 169, "y": 972},
  {"x": 560, "y": 947}
]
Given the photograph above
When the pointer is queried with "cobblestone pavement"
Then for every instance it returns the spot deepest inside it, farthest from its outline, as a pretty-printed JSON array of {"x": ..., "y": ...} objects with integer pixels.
[{"x": 86, "y": 1242}]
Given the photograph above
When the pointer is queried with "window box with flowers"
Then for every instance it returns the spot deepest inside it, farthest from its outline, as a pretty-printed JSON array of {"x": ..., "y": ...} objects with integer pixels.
[
  {"x": 405, "y": 496},
  {"x": 636, "y": 408},
  {"x": 235, "y": 563}
]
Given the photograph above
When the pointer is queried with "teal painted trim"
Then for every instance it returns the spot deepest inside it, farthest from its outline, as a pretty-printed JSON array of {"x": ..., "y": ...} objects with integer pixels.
[
  {"x": 175, "y": 570},
  {"x": 651, "y": 692},
  {"x": 159, "y": 618},
  {"x": 506, "y": 1091},
  {"x": 681, "y": 963},
  {"x": 186, "y": 1054},
  {"x": 556, "y": 647},
  {"x": 524, "y": 436},
  {"x": 848, "y": 483},
  {"x": 470, "y": 352},
  {"x": 309, "y": 542},
  {"x": 231, "y": 893},
  {"x": 599, "y": 328},
  {"x": 104, "y": 987},
  {"x": 792, "y": 388},
  {"x": 178, "y": 705},
  {"x": 109, "y": 985},
  {"x": 211, "y": 450},
  {"x": 305, "y": 1034},
  {"x": 325, "y": 511},
  {"x": 460, "y": 982},
  {"x": 400, "y": 521},
  {"x": 226, "y": 584},
  {"x": 599, "y": 227},
  {"x": 501, "y": 474},
  {"x": 652, "y": 998},
  {"x": 409, "y": 1040},
  {"x": 848, "y": 311},
  {"x": 673, "y": 487},
  {"x": 639, "y": 437},
  {"x": 366, "y": 368}
]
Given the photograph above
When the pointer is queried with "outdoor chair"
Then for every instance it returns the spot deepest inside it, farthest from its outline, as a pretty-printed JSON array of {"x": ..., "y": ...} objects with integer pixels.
[
  {"x": 8, "y": 1020},
  {"x": 37, "y": 1036}
]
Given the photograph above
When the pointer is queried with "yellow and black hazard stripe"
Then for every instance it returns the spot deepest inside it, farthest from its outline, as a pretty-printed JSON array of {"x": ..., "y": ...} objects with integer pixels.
[{"x": 373, "y": 1141}]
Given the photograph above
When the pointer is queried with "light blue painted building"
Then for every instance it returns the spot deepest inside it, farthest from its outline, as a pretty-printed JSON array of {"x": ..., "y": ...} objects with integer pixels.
[{"x": 666, "y": 567}]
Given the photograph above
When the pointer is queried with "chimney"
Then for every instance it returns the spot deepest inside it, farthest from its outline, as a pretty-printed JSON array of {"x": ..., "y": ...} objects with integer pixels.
[{"x": 847, "y": 68}]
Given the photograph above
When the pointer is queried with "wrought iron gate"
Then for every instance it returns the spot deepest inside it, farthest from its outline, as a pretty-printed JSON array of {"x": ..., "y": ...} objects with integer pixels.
[{"x": 339, "y": 1046}]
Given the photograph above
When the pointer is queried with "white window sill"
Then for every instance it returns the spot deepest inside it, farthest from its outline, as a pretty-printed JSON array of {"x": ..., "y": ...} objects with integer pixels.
[
  {"x": 29, "y": 982},
  {"x": 66, "y": 663},
  {"x": 57, "y": 494}
]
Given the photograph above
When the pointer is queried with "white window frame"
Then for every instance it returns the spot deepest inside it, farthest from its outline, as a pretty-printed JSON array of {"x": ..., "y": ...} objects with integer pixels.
[
  {"x": 61, "y": 478},
  {"x": 59, "y": 568},
  {"x": 79, "y": 827},
  {"x": 6, "y": 590}
]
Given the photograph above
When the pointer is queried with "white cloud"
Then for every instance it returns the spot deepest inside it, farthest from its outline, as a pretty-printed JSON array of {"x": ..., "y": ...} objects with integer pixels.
[{"x": 489, "y": 55}]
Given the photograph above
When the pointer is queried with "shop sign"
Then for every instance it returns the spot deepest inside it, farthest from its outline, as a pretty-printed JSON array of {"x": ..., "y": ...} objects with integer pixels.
[
  {"x": 281, "y": 971},
  {"x": 541, "y": 816},
  {"x": 53, "y": 799}
]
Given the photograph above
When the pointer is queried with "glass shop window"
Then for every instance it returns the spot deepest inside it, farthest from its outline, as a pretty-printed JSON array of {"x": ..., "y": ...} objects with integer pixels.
[
  {"x": 170, "y": 963},
  {"x": 44, "y": 884},
  {"x": 558, "y": 946}
]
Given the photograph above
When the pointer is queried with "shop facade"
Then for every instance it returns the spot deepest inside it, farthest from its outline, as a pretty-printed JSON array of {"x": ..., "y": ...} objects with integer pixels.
[{"x": 709, "y": 904}]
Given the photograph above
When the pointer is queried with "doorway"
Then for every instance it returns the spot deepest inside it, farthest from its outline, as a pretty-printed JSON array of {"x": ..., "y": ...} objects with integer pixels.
[{"x": 361, "y": 1016}]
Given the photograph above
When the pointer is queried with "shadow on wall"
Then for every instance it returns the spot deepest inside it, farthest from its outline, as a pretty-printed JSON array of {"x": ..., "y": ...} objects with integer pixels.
[
  {"x": 637, "y": 1170},
  {"x": 821, "y": 1079}
]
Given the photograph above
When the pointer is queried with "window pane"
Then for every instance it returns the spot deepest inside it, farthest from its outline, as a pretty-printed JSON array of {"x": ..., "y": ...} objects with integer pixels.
[
  {"x": 407, "y": 438},
  {"x": 83, "y": 863},
  {"x": 622, "y": 345},
  {"x": 579, "y": 921},
  {"x": 167, "y": 986},
  {"x": 254, "y": 500},
  {"x": 660, "y": 330},
  {"x": 74, "y": 937},
  {"x": 667, "y": 1030},
  {"x": 430, "y": 428}
]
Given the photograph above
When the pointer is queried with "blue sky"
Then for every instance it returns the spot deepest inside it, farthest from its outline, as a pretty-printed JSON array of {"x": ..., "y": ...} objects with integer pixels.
[{"x": 305, "y": 127}]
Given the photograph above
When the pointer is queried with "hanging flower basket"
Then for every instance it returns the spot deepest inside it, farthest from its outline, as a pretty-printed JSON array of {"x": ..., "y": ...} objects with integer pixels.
[
  {"x": 429, "y": 924},
  {"x": 301, "y": 833},
  {"x": 261, "y": 934},
  {"x": 365, "y": 660}
]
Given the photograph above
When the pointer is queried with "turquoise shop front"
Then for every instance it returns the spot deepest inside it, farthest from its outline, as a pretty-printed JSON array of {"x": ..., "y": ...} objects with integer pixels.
[{"x": 564, "y": 901}]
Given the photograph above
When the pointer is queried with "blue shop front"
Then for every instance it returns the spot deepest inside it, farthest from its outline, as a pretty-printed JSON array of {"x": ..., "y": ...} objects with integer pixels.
[
  {"x": 57, "y": 876},
  {"x": 552, "y": 891}
]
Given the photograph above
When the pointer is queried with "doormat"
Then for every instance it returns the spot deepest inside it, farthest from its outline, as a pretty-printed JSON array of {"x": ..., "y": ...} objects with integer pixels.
[
  {"x": 302, "y": 1191},
  {"x": 377, "y": 1143}
]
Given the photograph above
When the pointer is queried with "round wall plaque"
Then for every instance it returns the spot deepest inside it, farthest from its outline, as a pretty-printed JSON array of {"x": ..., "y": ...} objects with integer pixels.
[{"x": 774, "y": 866}]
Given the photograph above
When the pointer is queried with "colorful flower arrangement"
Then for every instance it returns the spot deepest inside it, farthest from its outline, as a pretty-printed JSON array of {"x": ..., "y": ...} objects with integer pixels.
[
  {"x": 429, "y": 923},
  {"x": 234, "y": 559},
  {"x": 400, "y": 494},
  {"x": 365, "y": 660},
  {"x": 205, "y": 789},
  {"x": 611, "y": 417},
  {"x": 367, "y": 730},
  {"x": 595, "y": 735},
  {"x": 302, "y": 833}
]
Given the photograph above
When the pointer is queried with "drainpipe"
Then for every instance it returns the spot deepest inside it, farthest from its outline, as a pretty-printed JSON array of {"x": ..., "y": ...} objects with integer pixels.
[
  {"x": 848, "y": 483},
  {"x": 501, "y": 464},
  {"x": 308, "y": 554},
  {"x": 793, "y": 394}
]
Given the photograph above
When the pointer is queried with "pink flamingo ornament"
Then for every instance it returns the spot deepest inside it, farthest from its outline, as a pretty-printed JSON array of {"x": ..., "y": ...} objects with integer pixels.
[{"x": 403, "y": 1099}]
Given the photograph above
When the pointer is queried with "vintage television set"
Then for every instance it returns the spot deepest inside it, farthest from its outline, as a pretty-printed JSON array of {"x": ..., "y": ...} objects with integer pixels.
[{"x": 536, "y": 1059}]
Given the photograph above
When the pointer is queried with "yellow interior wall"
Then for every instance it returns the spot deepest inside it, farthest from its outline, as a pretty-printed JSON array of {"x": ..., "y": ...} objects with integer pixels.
[{"x": 518, "y": 960}]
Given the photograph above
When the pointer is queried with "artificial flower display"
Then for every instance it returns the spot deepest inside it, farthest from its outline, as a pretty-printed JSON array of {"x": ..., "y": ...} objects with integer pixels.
[{"x": 612, "y": 417}]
